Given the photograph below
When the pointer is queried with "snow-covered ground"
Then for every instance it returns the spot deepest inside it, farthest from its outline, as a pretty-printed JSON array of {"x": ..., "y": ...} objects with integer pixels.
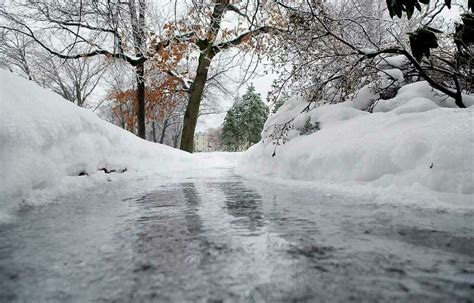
[
  {"x": 46, "y": 142},
  {"x": 181, "y": 227},
  {"x": 417, "y": 142}
]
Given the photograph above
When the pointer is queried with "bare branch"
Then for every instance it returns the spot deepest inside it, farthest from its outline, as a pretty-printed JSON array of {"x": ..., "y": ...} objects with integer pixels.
[{"x": 243, "y": 38}]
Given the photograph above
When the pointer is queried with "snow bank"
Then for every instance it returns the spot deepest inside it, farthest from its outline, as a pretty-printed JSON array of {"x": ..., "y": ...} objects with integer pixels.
[
  {"x": 44, "y": 139},
  {"x": 408, "y": 140}
]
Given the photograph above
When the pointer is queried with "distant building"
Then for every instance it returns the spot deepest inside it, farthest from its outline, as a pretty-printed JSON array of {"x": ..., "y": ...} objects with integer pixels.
[
  {"x": 206, "y": 142},
  {"x": 201, "y": 143}
]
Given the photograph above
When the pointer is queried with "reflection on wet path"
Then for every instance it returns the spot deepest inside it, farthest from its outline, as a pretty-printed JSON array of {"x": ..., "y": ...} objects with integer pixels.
[
  {"x": 244, "y": 204},
  {"x": 229, "y": 239}
]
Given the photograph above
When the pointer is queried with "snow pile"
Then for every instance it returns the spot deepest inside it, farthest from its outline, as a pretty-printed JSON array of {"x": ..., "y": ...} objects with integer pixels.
[
  {"x": 45, "y": 139},
  {"x": 414, "y": 139}
]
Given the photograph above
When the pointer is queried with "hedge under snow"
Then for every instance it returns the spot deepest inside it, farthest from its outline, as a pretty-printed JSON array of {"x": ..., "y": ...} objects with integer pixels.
[{"x": 415, "y": 138}]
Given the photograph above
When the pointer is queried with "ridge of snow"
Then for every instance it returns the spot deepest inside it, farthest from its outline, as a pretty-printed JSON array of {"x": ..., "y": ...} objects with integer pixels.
[
  {"x": 416, "y": 138},
  {"x": 46, "y": 140}
]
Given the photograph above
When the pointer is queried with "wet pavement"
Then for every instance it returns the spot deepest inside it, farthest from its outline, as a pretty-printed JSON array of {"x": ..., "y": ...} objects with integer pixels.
[{"x": 218, "y": 237}]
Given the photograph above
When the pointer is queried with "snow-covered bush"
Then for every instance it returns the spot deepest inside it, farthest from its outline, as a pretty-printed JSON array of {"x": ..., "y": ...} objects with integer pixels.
[
  {"x": 416, "y": 137},
  {"x": 309, "y": 127}
]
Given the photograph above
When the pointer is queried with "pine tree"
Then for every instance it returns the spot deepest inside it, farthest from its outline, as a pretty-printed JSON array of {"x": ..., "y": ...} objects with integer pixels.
[
  {"x": 254, "y": 115},
  {"x": 231, "y": 135},
  {"x": 244, "y": 121}
]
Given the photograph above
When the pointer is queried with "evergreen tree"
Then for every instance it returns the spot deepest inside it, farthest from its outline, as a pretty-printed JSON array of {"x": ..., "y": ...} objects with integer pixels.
[
  {"x": 244, "y": 121},
  {"x": 254, "y": 115},
  {"x": 231, "y": 135}
]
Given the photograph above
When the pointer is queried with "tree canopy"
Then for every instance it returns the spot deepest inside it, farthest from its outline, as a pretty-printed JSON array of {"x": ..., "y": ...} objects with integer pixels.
[{"x": 244, "y": 122}]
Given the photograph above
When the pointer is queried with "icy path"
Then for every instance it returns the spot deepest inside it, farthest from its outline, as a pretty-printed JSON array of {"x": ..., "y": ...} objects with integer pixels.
[{"x": 211, "y": 235}]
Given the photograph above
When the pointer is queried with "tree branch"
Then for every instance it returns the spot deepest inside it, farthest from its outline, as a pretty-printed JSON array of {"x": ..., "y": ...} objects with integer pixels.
[
  {"x": 455, "y": 95},
  {"x": 29, "y": 33},
  {"x": 234, "y": 9},
  {"x": 243, "y": 38}
]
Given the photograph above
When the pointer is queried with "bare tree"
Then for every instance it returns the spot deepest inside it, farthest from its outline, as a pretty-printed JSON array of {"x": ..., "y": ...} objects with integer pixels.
[
  {"x": 119, "y": 30},
  {"x": 333, "y": 54},
  {"x": 75, "y": 80},
  {"x": 84, "y": 29},
  {"x": 213, "y": 38},
  {"x": 17, "y": 53}
]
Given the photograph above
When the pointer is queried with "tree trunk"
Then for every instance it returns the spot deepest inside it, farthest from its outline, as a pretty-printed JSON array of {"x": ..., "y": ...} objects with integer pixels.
[
  {"x": 138, "y": 28},
  {"x": 195, "y": 96},
  {"x": 122, "y": 118},
  {"x": 79, "y": 100},
  {"x": 140, "y": 74},
  {"x": 176, "y": 136},
  {"x": 153, "y": 131},
  {"x": 175, "y": 141},
  {"x": 163, "y": 131}
]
